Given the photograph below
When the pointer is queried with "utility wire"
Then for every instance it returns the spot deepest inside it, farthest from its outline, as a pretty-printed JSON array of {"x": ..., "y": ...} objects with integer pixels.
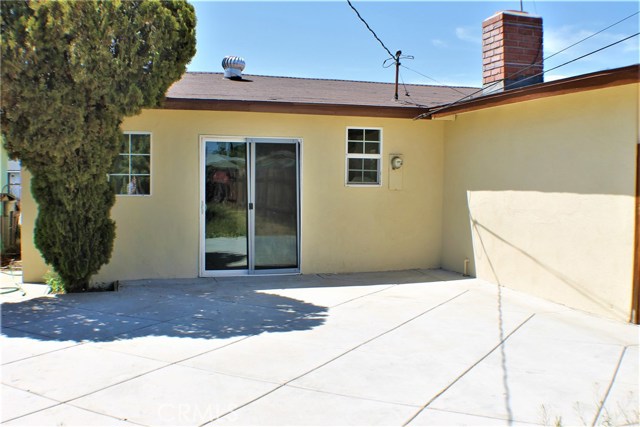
[
  {"x": 575, "y": 59},
  {"x": 432, "y": 79},
  {"x": 490, "y": 86},
  {"x": 530, "y": 77},
  {"x": 566, "y": 48},
  {"x": 369, "y": 28},
  {"x": 584, "y": 56},
  {"x": 592, "y": 35},
  {"x": 406, "y": 93}
]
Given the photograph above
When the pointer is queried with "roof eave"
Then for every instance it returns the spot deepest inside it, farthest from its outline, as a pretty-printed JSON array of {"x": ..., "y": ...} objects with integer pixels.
[
  {"x": 591, "y": 81},
  {"x": 405, "y": 112}
]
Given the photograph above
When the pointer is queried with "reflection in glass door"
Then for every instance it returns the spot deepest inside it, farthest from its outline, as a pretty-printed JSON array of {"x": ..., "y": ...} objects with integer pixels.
[
  {"x": 276, "y": 206},
  {"x": 250, "y": 206},
  {"x": 225, "y": 206}
]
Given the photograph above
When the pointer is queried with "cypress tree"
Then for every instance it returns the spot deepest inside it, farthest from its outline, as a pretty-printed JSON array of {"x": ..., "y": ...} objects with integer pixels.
[{"x": 71, "y": 71}]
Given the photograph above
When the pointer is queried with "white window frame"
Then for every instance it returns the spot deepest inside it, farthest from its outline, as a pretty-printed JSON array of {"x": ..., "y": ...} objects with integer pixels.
[
  {"x": 150, "y": 164},
  {"x": 362, "y": 156}
]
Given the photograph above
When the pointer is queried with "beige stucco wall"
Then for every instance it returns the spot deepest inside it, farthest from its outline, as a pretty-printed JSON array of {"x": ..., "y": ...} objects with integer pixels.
[
  {"x": 344, "y": 229},
  {"x": 539, "y": 195}
]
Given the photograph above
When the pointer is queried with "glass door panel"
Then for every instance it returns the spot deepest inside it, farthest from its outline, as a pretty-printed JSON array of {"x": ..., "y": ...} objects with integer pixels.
[
  {"x": 226, "y": 206},
  {"x": 276, "y": 206}
]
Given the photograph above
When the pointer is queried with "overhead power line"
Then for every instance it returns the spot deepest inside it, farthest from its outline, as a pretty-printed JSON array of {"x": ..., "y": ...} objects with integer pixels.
[
  {"x": 433, "y": 80},
  {"x": 394, "y": 58},
  {"x": 528, "y": 67},
  {"x": 490, "y": 86},
  {"x": 529, "y": 77},
  {"x": 592, "y": 35},
  {"x": 563, "y": 50},
  {"x": 587, "y": 54},
  {"x": 372, "y": 32}
]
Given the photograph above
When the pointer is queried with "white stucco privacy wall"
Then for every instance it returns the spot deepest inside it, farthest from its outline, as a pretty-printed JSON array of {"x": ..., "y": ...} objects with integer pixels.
[{"x": 540, "y": 196}]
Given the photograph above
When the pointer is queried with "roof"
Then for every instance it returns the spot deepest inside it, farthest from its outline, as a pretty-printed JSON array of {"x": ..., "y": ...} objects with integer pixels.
[
  {"x": 211, "y": 91},
  {"x": 597, "y": 80}
]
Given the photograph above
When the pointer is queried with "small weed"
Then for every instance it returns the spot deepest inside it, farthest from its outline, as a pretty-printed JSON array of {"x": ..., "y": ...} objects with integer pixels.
[
  {"x": 55, "y": 282},
  {"x": 546, "y": 418}
]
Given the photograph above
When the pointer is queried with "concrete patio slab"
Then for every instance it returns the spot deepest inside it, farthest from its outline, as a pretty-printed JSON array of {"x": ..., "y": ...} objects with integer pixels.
[
  {"x": 67, "y": 415},
  {"x": 29, "y": 311},
  {"x": 16, "y": 403},
  {"x": 621, "y": 403},
  {"x": 170, "y": 341},
  {"x": 417, "y": 347},
  {"x": 175, "y": 395},
  {"x": 266, "y": 358},
  {"x": 525, "y": 396},
  {"x": 406, "y": 379},
  {"x": 436, "y": 417},
  {"x": 329, "y": 296},
  {"x": 82, "y": 325},
  {"x": 74, "y": 371},
  {"x": 290, "y": 406},
  {"x": 17, "y": 345}
]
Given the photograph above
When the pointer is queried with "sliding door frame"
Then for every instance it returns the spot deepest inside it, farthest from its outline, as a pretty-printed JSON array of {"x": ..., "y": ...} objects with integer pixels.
[{"x": 251, "y": 160}]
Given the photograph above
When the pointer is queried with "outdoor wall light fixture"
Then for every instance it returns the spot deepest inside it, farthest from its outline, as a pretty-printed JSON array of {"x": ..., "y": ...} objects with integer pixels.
[{"x": 396, "y": 162}]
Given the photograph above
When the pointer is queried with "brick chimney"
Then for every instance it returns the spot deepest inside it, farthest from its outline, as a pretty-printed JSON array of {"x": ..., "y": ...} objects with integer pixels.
[{"x": 511, "y": 51}]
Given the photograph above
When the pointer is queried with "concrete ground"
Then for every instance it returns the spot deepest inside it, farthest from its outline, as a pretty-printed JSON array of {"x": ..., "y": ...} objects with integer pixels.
[{"x": 419, "y": 347}]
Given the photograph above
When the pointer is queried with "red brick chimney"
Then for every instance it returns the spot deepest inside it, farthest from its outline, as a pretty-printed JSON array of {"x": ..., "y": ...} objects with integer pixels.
[{"x": 511, "y": 51}]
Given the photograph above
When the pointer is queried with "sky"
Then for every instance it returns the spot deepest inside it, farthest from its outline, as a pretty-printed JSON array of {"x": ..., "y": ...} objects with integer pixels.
[{"x": 327, "y": 39}]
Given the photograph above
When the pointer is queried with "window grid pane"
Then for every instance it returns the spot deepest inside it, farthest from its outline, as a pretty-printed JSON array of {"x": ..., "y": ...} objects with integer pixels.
[
  {"x": 372, "y": 135},
  {"x": 364, "y": 155},
  {"x": 131, "y": 172}
]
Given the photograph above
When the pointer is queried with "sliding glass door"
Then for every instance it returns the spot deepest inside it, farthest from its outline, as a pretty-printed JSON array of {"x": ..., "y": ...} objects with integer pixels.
[
  {"x": 250, "y": 206},
  {"x": 225, "y": 206},
  {"x": 275, "y": 218}
]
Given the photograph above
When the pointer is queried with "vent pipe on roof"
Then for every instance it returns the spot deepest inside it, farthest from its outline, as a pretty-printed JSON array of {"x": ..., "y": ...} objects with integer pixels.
[{"x": 233, "y": 66}]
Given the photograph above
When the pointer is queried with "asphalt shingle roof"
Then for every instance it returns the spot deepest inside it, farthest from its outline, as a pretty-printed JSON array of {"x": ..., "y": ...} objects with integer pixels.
[{"x": 213, "y": 86}]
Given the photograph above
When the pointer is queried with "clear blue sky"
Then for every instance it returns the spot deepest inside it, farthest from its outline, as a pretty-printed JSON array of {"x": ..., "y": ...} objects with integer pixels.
[{"x": 327, "y": 40}]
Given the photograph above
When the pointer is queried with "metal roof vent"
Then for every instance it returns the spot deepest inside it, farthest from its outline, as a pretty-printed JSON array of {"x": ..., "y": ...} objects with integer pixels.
[{"x": 233, "y": 66}]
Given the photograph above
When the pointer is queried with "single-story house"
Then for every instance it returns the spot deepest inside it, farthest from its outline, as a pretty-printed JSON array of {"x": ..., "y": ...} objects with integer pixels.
[{"x": 531, "y": 185}]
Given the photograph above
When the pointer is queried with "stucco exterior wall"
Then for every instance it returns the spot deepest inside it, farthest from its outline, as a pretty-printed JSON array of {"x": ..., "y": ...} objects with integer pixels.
[
  {"x": 540, "y": 197},
  {"x": 344, "y": 229}
]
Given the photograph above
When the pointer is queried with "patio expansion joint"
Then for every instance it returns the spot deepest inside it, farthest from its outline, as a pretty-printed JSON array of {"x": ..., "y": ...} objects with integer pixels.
[
  {"x": 43, "y": 337},
  {"x": 166, "y": 365},
  {"x": 466, "y": 371},
  {"x": 286, "y": 383},
  {"x": 58, "y": 403},
  {"x": 32, "y": 412},
  {"x": 70, "y": 404},
  {"x": 87, "y": 310},
  {"x": 606, "y": 394},
  {"x": 332, "y": 393},
  {"x": 389, "y": 286},
  {"x": 488, "y": 417},
  {"x": 177, "y": 362}
]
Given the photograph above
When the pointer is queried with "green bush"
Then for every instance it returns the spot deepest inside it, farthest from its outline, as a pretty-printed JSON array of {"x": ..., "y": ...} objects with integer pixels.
[
  {"x": 56, "y": 284},
  {"x": 71, "y": 71}
]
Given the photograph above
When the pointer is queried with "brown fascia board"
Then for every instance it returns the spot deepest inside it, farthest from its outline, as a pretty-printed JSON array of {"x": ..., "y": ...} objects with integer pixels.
[
  {"x": 591, "y": 81},
  {"x": 291, "y": 108}
]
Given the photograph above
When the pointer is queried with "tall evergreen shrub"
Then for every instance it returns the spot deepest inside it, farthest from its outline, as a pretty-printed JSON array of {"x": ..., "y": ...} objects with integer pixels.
[{"x": 70, "y": 73}]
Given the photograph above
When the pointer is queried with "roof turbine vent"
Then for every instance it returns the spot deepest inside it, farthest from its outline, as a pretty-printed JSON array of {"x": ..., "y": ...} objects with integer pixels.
[{"x": 233, "y": 66}]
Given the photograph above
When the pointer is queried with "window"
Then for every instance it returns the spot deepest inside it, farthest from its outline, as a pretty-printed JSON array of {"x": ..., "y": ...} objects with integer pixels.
[
  {"x": 132, "y": 169},
  {"x": 364, "y": 155}
]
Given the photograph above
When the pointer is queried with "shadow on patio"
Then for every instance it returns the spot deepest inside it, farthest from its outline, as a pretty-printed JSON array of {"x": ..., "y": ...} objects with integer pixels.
[{"x": 201, "y": 309}]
